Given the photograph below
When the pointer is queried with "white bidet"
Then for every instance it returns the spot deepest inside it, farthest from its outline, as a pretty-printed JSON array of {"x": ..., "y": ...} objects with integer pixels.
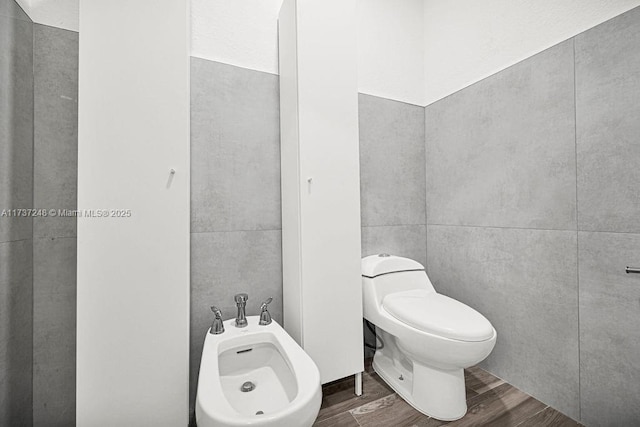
[{"x": 256, "y": 376}]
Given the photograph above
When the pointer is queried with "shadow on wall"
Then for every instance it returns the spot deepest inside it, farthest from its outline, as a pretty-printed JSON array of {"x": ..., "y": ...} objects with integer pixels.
[
  {"x": 17, "y": 323},
  {"x": 16, "y": 191}
]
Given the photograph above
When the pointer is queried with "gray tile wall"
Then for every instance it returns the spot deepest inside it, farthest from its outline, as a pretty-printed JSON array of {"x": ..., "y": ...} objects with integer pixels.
[
  {"x": 502, "y": 152},
  {"x": 531, "y": 200},
  {"x": 16, "y": 191},
  {"x": 16, "y": 121},
  {"x": 392, "y": 178},
  {"x": 16, "y": 329},
  {"x": 235, "y": 195},
  {"x": 608, "y": 125},
  {"x": 609, "y": 329},
  {"x": 501, "y": 198},
  {"x": 55, "y": 187},
  {"x": 525, "y": 282},
  {"x": 392, "y": 181},
  {"x": 11, "y": 9},
  {"x": 608, "y": 150}
]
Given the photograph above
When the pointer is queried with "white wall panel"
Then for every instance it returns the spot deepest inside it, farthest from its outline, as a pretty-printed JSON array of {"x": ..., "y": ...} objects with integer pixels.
[
  {"x": 321, "y": 184},
  {"x": 133, "y": 273}
]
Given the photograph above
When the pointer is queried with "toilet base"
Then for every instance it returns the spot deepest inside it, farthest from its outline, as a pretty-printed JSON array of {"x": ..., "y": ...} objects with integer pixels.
[{"x": 438, "y": 393}]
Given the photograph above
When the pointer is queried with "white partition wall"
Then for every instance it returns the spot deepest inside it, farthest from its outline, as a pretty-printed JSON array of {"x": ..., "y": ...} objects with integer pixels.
[
  {"x": 321, "y": 183},
  {"x": 133, "y": 268}
]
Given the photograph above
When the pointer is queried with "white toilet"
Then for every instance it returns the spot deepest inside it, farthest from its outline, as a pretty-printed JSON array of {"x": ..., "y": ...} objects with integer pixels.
[
  {"x": 427, "y": 338},
  {"x": 256, "y": 376}
]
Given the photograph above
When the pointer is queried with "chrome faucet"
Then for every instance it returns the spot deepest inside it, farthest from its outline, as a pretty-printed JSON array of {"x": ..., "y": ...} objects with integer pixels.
[
  {"x": 265, "y": 317},
  {"x": 241, "y": 303},
  {"x": 217, "y": 327}
]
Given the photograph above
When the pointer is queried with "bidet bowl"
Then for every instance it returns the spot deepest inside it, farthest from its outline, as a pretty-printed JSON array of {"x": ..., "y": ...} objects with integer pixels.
[{"x": 256, "y": 376}]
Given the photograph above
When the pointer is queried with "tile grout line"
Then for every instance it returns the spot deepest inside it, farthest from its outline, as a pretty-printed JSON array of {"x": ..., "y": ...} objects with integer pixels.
[
  {"x": 533, "y": 415},
  {"x": 420, "y": 225},
  {"x": 426, "y": 190},
  {"x": 16, "y": 240},
  {"x": 394, "y": 225},
  {"x": 34, "y": 144},
  {"x": 575, "y": 135},
  {"x": 338, "y": 415},
  {"x": 54, "y": 237},
  {"x": 534, "y": 228},
  {"x": 352, "y": 416},
  {"x": 501, "y": 227},
  {"x": 234, "y": 231},
  {"x": 368, "y": 403}
]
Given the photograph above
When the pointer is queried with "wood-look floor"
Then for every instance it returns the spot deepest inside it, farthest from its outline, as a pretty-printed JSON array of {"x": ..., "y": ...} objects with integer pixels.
[{"x": 490, "y": 401}]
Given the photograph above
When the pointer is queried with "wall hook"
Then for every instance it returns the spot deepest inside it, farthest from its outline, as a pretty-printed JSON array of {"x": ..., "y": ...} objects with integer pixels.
[{"x": 172, "y": 173}]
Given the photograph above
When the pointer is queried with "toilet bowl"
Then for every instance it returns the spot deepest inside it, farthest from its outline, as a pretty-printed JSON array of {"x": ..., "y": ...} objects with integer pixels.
[
  {"x": 427, "y": 338},
  {"x": 256, "y": 376}
]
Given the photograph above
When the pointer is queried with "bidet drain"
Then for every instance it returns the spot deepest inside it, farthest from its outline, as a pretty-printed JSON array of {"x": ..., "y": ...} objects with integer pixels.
[
  {"x": 247, "y": 386},
  {"x": 259, "y": 413}
]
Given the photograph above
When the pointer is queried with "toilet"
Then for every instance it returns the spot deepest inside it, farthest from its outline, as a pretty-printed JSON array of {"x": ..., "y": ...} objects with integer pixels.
[
  {"x": 256, "y": 376},
  {"x": 427, "y": 339}
]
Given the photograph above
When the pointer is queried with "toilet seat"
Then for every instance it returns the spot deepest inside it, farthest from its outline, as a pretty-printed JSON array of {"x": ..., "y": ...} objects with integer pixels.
[{"x": 438, "y": 314}]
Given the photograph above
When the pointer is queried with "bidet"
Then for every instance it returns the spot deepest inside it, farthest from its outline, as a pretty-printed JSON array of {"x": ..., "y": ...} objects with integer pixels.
[{"x": 256, "y": 376}]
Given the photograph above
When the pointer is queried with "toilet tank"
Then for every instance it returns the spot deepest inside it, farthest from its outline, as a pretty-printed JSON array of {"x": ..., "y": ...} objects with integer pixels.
[{"x": 385, "y": 274}]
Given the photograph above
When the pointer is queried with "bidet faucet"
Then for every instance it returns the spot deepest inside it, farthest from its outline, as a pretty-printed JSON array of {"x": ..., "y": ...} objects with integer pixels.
[
  {"x": 241, "y": 303},
  {"x": 265, "y": 317},
  {"x": 217, "y": 327}
]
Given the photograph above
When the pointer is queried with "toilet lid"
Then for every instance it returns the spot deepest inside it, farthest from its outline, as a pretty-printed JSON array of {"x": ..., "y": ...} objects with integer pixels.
[{"x": 438, "y": 314}]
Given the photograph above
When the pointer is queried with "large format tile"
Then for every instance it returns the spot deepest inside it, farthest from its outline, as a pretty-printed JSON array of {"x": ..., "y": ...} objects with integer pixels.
[
  {"x": 392, "y": 186},
  {"x": 343, "y": 419},
  {"x": 224, "y": 264},
  {"x": 16, "y": 126},
  {"x": 54, "y": 331},
  {"x": 235, "y": 148},
  {"x": 503, "y": 406},
  {"x": 609, "y": 329},
  {"x": 502, "y": 151},
  {"x": 607, "y": 111},
  {"x": 337, "y": 398},
  {"x": 390, "y": 410},
  {"x": 403, "y": 240},
  {"x": 490, "y": 401},
  {"x": 11, "y": 9},
  {"x": 525, "y": 283},
  {"x": 56, "y": 128},
  {"x": 16, "y": 333},
  {"x": 549, "y": 417},
  {"x": 480, "y": 381}
]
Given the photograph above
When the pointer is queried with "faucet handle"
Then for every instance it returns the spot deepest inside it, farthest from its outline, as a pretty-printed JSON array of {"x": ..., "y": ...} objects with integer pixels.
[
  {"x": 217, "y": 327},
  {"x": 264, "y": 304},
  {"x": 241, "y": 298},
  {"x": 216, "y": 311},
  {"x": 265, "y": 316}
]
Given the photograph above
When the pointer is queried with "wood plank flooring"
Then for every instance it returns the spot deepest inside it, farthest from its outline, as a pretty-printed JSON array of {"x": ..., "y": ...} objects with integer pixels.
[{"x": 490, "y": 400}]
